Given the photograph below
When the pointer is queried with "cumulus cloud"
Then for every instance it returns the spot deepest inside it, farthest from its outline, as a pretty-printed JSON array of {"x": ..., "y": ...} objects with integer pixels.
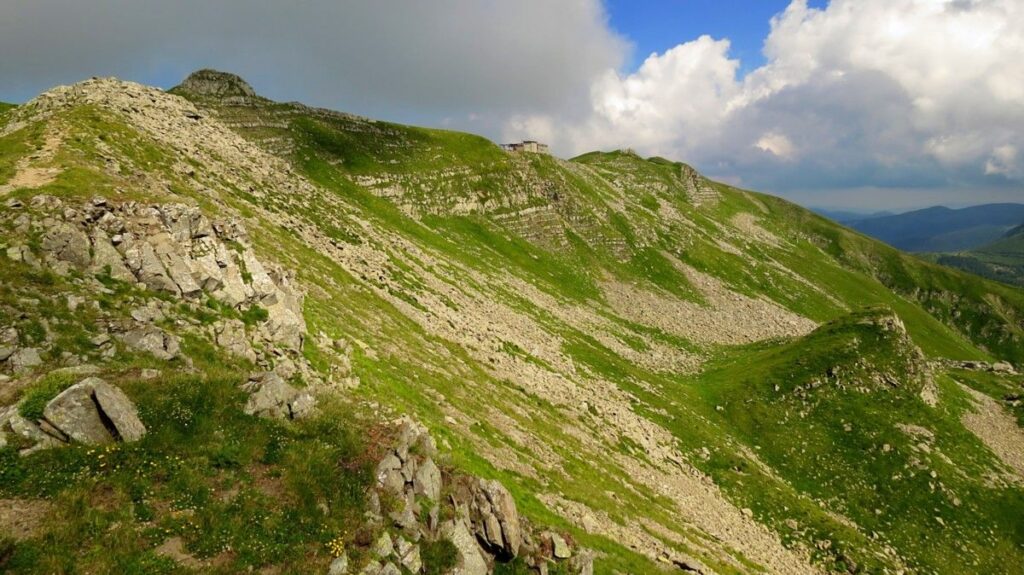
[{"x": 865, "y": 94}]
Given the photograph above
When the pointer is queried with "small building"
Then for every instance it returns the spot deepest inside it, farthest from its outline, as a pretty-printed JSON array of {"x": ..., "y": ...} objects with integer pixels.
[{"x": 531, "y": 146}]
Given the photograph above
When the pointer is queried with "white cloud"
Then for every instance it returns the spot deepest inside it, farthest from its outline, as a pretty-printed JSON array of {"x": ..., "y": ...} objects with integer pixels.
[
  {"x": 777, "y": 145},
  {"x": 866, "y": 93},
  {"x": 1004, "y": 161}
]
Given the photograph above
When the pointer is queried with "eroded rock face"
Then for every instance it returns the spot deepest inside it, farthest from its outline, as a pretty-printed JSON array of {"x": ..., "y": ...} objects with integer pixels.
[
  {"x": 174, "y": 249},
  {"x": 495, "y": 518}
]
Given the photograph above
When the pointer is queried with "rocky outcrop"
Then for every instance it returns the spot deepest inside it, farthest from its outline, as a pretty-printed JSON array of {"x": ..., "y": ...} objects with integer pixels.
[
  {"x": 1000, "y": 367},
  {"x": 91, "y": 411},
  {"x": 484, "y": 524},
  {"x": 176, "y": 250},
  {"x": 227, "y": 88}
]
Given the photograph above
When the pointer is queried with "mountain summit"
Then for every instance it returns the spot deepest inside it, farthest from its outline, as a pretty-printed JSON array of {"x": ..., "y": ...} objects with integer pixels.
[
  {"x": 214, "y": 84},
  {"x": 239, "y": 335}
]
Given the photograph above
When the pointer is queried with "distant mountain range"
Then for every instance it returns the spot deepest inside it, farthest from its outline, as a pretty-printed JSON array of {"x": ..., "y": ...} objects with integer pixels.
[
  {"x": 942, "y": 229},
  {"x": 846, "y": 216}
]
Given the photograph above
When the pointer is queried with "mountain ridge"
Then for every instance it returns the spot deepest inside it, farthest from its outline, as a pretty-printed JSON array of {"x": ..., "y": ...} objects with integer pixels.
[
  {"x": 560, "y": 325},
  {"x": 942, "y": 229}
]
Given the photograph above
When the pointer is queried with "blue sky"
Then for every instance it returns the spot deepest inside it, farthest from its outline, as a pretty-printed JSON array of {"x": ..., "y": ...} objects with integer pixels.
[{"x": 654, "y": 26}]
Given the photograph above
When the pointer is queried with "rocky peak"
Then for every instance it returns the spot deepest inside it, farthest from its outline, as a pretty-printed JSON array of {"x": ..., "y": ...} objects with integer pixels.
[{"x": 214, "y": 84}]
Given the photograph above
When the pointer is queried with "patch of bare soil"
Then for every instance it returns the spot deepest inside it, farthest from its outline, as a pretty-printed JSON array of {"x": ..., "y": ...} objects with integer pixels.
[
  {"x": 21, "y": 518},
  {"x": 998, "y": 430}
]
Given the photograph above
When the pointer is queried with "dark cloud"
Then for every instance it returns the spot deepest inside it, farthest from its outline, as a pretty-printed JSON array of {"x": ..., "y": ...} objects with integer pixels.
[{"x": 397, "y": 58}]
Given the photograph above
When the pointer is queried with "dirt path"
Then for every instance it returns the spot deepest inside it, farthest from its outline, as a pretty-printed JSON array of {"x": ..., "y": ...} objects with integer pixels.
[
  {"x": 997, "y": 429},
  {"x": 32, "y": 170}
]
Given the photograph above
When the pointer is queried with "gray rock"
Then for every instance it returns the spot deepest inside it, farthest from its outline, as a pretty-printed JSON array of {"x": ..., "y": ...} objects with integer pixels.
[
  {"x": 504, "y": 509},
  {"x": 65, "y": 242},
  {"x": 269, "y": 396},
  {"x": 147, "y": 267},
  {"x": 52, "y": 431},
  {"x": 339, "y": 566},
  {"x": 371, "y": 568},
  {"x": 105, "y": 257},
  {"x": 153, "y": 340},
  {"x": 302, "y": 405},
  {"x": 1003, "y": 367},
  {"x": 148, "y": 313},
  {"x": 393, "y": 482},
  {"x": 409, "y": 470},
  {"x": 25, "y": 359},
  {"x": 383, "y": 547},
  {"x": 93, "y": 412},
  {"x": 74, "y": 412},
  {"x": 230, "y": 335},
  {"x": 390, "y": 569},
  {"x": 428, "y": 480},
  {"x": 584, "y": 563},
  {"x": 119, "y": 411},
  {"x": 559, "y": 547},
  {"x": 30, "y": 431},
  {"x": 412, "y": 560},
  {"x": 471, "y": 561},
  {"x": 404, "y": 519},
  {"x": 6, "y": 352}
]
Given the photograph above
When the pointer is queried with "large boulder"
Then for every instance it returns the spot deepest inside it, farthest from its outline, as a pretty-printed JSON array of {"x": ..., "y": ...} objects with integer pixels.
[
  {"x": 94, "y": 412},
  {"x": 495, "y": 518},
  {"x": 427, "y": 481},
  {"x": 106, "y": 258}
]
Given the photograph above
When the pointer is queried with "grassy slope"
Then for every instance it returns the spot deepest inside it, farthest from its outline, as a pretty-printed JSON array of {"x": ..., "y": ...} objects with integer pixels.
[
  {"x": 829, "y": 438},
  {"x": 113, "y": 505},
  {"x": 856, "y": 270},
  {"x": 414, "y": 365},
  {"x": 859, "y": 272}
]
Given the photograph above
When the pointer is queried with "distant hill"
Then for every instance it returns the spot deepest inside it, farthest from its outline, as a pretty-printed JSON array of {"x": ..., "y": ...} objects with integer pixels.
[
  {"x": 941, "y": 229},
  {"x": 845, "y": 216},
  {"x": 1001, "y": 260}
]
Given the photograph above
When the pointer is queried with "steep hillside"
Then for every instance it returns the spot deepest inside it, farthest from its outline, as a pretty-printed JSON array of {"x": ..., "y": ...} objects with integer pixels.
[
  {"x": 670, "y": 372},
  {"x": 941, "y": 229}
]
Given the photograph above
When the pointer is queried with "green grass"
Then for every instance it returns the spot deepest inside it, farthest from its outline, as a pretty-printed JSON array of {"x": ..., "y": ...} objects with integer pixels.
[
  {"x": 785, "y": 454},
  {"x": 827, "y": 437},
  {"x": 35, "y": 398},
  {"x": 272, "y": 493}
]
